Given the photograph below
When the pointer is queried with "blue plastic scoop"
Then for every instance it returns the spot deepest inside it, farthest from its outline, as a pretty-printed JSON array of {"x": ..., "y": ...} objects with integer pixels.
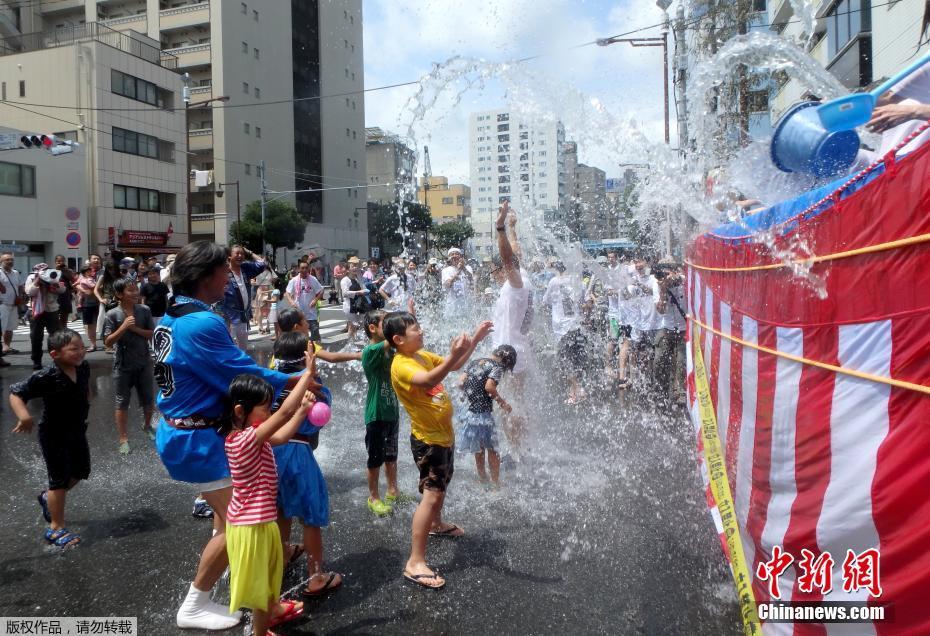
[{"x": 852, "y": 111}]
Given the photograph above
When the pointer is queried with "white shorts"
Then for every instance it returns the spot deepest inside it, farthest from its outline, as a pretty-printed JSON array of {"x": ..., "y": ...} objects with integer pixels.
[
  {"x": 9, "y": 317},
  {"x": 210, "y": 486}
]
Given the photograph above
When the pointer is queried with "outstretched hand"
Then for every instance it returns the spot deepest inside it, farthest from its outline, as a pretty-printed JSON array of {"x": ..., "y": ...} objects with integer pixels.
[
  {"x": 483, "y": 330},
  {"x": 502, "y": 214},
  {"x": 459, "y": 345},
  {"x": 891, "y": 115}
]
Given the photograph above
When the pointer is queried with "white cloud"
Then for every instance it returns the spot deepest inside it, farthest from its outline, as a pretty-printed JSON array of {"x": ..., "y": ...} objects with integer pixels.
[{"x": 404, "y": 40}]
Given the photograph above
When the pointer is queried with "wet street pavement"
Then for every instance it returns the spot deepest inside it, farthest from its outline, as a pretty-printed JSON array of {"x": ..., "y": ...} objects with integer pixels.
[{"x": 603, "y": 531}]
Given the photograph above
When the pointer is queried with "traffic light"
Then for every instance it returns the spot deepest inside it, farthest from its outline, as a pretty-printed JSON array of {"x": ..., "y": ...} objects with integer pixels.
[
  {"x": 48, "y": 142},
  {"x": 37, "y": 141}
]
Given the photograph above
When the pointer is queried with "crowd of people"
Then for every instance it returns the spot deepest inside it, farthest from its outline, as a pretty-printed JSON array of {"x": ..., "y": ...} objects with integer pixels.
[{"x": 243, "y": 434}]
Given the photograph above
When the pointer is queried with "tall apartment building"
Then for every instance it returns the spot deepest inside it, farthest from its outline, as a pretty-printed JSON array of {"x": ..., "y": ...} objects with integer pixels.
[
  {"x": 515, "y": 160},
  {"x": 446, "y": 201},
  {"x": 133, "y": 150},
  {"x": 263, "y": 56},
  {"x": 589, "y": 197},
  {"x": 858, "y": 41},
  {"x": 390, "y": 165}
]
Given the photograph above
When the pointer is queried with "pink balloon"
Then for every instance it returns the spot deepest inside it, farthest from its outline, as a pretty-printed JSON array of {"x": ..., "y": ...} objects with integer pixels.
[{"x": 319, "y": 414}]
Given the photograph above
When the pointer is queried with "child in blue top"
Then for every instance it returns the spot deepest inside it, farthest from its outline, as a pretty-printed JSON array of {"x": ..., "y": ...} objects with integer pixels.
[{"x": 302, "y": 491}]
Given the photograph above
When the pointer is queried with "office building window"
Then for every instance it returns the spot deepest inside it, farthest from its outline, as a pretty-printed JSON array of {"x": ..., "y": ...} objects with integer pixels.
[
  {"x": 245, "y": 127},
  {"x": 355, "y": 164},
  {"x": 245, "y": 87},
  {"x": 248, "y": 169},
  {"x": 258, "y": 54},
  {"x": 255, "y": 15},
  {"x": 22, "y": 88},
  {"x": 130, "y": 198},
  {"x": 447, "y": 200},
  {"x": 134, "y": 143},
  {"x": 3, "y": 91},
  {"x": 17, "y": 180},
  {"x": 245, "y": 47},
  {"x": 258, "y": 132},
  {"x": 347, "y": 132},
  {"x": 258, "y": 93},
  {"x": 133, "y": 88},
  {"x": 245, "y": 9},
  {"x": 353, "y": 134},
  {"x": 348, "y": 163}
]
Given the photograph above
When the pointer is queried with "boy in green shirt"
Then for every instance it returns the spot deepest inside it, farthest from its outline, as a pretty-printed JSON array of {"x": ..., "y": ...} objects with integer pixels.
[{"x": 381, "y": 415}]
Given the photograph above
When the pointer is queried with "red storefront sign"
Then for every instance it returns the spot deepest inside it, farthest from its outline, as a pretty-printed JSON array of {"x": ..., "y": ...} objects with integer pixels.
[{"x": 136, "y": 238}]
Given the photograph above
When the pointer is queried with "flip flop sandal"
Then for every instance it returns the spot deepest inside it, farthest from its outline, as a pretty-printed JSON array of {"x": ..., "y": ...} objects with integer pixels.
[
  {"x": 62, "y": 538},
  {"x": 448, "y": 532},
  {"x": 417, "y": 579},
  {"x": 43, "y": 501},
  {"x": 290, "y": 613},
  {"x": 326, "y": 589},
  {"x": 297, "y": 551}
]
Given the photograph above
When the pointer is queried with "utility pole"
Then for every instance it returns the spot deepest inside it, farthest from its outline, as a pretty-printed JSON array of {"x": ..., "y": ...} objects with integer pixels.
[
  {"x": 427, "y": 175},
  {"x": 681, "y": 79},
  {"x": 261, "y": 171}
]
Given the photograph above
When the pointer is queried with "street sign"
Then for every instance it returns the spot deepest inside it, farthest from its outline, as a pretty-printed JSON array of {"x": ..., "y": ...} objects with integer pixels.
[
  {"x": 73, "y": 239},
  {"x": 14, "y": 248},
  {"x": 376, "y": 252}
]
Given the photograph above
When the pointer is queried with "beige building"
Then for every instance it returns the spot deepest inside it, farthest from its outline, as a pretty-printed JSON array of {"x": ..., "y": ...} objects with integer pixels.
[
  {"x": 262, "y": 56},
  {"x": 118, "y": 91},
  {"x": 390, "y": 165},
  {"x": 446, "y": 202},
  {"x": 43, "y": 205}
]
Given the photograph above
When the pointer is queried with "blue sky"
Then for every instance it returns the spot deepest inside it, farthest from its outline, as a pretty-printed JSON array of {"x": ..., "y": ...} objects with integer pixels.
[{"x": 403, "y": 40}]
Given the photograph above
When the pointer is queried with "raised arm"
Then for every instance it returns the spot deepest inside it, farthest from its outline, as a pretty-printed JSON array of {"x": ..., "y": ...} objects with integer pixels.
[
  {"x": 505, "y": 248},
  {"x": 291, "y": 405},
  {"x": 472, "y": 343}
]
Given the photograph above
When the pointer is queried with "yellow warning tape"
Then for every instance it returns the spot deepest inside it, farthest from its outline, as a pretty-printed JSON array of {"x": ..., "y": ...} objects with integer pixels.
[
  {"x": 720, "y": 486},
  {"x": 901, "y": 384},
  {"x": 870, "y": 249}
]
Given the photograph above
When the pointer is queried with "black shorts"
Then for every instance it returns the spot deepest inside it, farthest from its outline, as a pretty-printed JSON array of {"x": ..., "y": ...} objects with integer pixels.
[
  {"x": 436, "y": 464},
  {"x": 573, "y": 350},
  {"x": 66, "y": 453},
  {"x": 381, "y": 442},
  {"x": 314, "y": 330},
  {"x": 89, "y": 314}
]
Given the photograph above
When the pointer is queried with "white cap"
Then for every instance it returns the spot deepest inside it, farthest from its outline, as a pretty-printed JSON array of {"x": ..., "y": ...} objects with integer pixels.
[
  {"x": 453, "y": 251},
  {"x": 432, "y": 261}
]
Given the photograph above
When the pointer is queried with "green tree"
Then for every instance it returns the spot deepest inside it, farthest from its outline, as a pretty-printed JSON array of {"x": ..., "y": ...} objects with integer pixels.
[
  {"x": 452, "y": 234},
  {"x": 383, "y": 226},
  {"x": 284, "y": 226}
]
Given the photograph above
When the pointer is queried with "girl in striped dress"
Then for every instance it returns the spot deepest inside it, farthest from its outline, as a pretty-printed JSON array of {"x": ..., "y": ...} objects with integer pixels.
[{"x": 256, "y": 561}]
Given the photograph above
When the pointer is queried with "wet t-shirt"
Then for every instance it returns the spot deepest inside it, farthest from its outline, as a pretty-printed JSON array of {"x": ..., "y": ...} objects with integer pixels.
[
  {"x": 132, "y": 350},
  {"x": 509, "y": 315},
  {"x": 429, "y": 407},
  {"x": 477, "y": 374},
  {"x": 156, "y": 297},
  {"x": 64, "y": 400},
  {"x": 381, "y": 401}
]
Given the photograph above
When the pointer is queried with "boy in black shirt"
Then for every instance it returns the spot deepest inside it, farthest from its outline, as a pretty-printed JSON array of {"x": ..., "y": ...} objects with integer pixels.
[
  {"x": 154, "y": 294},
  {"x": 64, "y": 388}
]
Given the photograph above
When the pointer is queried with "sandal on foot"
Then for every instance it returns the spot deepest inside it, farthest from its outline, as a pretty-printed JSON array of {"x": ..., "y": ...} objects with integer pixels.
[
  {"x": 328, "y": 587},
  {"x": 418, "y": 579},
  {"x": 291, "y": 611},
  {"x": 452, "y": 531},
  {"x": 43, "y": 501},
  {"x": 62, "y": 538},
  {"x": 296, "y": 551}
]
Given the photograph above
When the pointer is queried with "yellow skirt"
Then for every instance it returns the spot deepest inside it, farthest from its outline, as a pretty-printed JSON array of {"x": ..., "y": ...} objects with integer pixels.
[{"x": 256, "y": 565}]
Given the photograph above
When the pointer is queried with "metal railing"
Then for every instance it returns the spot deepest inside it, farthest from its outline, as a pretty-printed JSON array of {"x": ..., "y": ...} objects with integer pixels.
[
  {"x": 187, "y": 8},
  {"x": 92, "y": 31}
]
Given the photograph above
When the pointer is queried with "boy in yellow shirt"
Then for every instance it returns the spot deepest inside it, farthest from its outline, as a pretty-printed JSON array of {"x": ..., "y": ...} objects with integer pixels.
[{"x": 417, "y": 376}]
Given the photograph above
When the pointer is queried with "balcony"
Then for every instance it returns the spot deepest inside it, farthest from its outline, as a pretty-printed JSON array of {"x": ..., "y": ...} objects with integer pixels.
[
  {"x": 191, "y": 56},
  {"x": 200, "y": 140},
  {"x": 186, "y": 16},
  {"x": 201, "y": 94},
  {"x": 137, "y": 22}
]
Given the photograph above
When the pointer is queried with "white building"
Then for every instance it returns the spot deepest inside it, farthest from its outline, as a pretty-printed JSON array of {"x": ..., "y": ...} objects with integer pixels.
[
  {"x": 43, "y": 205},
  {"x": 515, "y": 160},
  {"x": 134, "y": 152},
  {"x": 857, "y": 42},
  {"x": 252, "y": 52}
]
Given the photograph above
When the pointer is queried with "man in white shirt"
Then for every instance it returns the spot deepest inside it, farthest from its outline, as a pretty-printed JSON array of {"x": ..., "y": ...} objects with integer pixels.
[
  {"x": 11, "y": 290},
  {"x": 669, "y": 361},
  {"x": 616, "y": 281},
  {"x": 511, "y": 324},
  {"x": 303, "y": 291},
  {"x": 457, "y": 281},
  {"x": 565, "y": 295},
  {"x": 353, "y": 287}
]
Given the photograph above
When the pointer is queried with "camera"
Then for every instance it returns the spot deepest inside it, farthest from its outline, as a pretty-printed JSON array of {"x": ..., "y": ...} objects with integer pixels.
[{"x": 50, "y": 276}]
